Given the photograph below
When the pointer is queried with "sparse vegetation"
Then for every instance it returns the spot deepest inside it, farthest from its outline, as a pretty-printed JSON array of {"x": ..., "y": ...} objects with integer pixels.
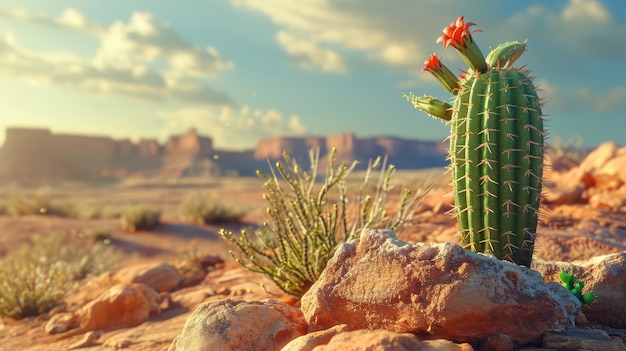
[
  {"x": 42, "y": 202},
  {"x": 203, "y": 208},
  {"x": 94, "y": 211},
  {"x": 140, "y": 217},
  {"x": 308, "y": 220},
  {"x": 39, "y": 203},
  {"x": 35, "y": 277},
  {"x": 570, "y": 149}
]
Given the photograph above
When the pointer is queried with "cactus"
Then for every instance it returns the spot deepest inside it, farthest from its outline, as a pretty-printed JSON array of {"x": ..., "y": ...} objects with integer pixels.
[
  {"x": 496, "y": 145},
  {"x": 575, "y": 286}
]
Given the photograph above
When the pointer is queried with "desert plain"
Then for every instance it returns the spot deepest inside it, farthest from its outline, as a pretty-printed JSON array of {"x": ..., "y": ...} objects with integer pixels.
[{"x": 583, "y": 215}]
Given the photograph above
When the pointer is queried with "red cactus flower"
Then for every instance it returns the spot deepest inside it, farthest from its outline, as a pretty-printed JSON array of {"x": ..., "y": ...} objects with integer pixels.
[
  {"x": 432, "y": 63},
  {"x": 442, "y": 73},
  {"x": 453, "y": 34},
  {"x": 458, "y": 35}
]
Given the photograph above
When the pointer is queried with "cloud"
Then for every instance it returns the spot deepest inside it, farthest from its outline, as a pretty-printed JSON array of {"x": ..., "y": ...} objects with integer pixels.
[
  {"x": 583, "y": 100},
  {"x": 584, "y": 28},
  {"x": 126, "y": 62},
  {"x": 143, "y": 39},
  {"x": 69, "y": 19},
  {"x": 307, "y": 54},
  {"x": 233, "y": 127},
  {"x": 400, "y": 34},
  {"x": 310, "y": 29}
]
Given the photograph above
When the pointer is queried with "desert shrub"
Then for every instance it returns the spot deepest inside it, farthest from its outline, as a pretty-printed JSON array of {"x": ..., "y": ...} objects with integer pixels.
[
  {"x": 97, "y": 235},
  {"x": 35, "y": 277},
  {"x": 203, "y": 208},
  {"x": 308, "y": 220},
  {"x": 570, "y": 149},
  {"x": 96, "y": 211},
  {"x": 139, "y": 217},
  {"x": 39, "y": 203}
]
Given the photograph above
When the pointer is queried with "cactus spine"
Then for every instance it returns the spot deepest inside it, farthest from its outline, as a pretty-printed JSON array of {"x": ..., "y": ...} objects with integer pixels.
[{"x": 496, "y": 145}]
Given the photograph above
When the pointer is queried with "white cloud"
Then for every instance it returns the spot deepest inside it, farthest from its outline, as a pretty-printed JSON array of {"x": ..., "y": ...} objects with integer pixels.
[
  {"x": 401, "y": 34},
  {"x": 126, "y": 61},
  {"x": 584, "y": 10},
  {"x": 307, "y": 53},
  {"x": 583, "y": 100},
  {"x": 584, "y": 28},
  {"x": 310, "y": 28},
  {"x": 233, "y": 127},
  {"x": 70, "y": 19},
  {"x": 144, "y": 39}
]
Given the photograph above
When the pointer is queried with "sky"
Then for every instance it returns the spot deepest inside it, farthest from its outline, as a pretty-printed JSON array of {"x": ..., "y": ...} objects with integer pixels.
[{"x": 240, "y": 70}]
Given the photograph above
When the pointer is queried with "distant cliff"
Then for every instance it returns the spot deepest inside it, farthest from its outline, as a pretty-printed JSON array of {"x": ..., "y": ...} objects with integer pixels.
[{"x": 36, "y": 155}]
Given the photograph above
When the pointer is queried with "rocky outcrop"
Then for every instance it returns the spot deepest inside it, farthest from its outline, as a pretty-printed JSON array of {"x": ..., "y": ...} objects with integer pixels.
[
  {"x": 36, "y": 155},
  {"x": 442, "y": 290},
  {"x": 272, "y": 148},
  {"x": 599, "y": 180}
]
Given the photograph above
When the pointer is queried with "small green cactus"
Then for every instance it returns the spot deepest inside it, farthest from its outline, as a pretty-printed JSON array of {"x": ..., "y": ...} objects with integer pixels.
[
  {"x": 575, "y": 286},
  {"x": 496, "y": 145}
]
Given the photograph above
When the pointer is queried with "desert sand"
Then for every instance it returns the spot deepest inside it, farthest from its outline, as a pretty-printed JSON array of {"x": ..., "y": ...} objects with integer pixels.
[{"x": 571, "y": 228}]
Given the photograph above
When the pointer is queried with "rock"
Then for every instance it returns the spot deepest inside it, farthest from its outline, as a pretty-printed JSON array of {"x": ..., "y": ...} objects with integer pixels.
[
  {"x": 497, "y": 342},
  {"x": 60, "y": 323},
  {"x": 240, "y": 325},
  {"x": 379, "y": 282},
  {"x": 565, "y": 193},
  {"x": 608, "y": 182},
  {"x": 607, "y": 201},
  {"x": 160, "y": 277},
  {"x": 597, "y": 158},
  {"x": 582, "y": 339},
  {"x": 617, "y": 165},
  {"x": 89, "y": 339},
  {"x": 605, "y": 276},
  {"x": 120, "y": 306},
  {"x": 310, "y": 341},
  {"x": 384, "y": 340},
  {"x": 373, "y": 340}
]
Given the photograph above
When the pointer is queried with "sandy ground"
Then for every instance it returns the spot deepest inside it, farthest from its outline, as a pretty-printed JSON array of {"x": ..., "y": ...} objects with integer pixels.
[{"x": 565, "y": 233}]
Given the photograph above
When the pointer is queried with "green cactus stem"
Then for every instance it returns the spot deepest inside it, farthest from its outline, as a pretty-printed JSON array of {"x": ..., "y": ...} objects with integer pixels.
[
  {"x": 496, "y": 147},
  {"x": 431, "y": 105},
  {"x": 575, "y": 286}
]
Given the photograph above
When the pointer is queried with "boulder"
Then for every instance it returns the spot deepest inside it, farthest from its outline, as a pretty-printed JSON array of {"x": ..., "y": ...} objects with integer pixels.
[
  {"x": 379, "y": 282},
  {"x": 310, "y": 341},
  {"x": 605, "y": 276},
  {"x": 596, "y": 160},
  {"x": 582, "y": 339},
  {"x": 340, "y": 338},
  {"x": 372, "y": 340},
  {"x": 120, "y": 306},
  {"x": 235, "y": 325},
  {"x": 161, "y": 276},
  {"x": 607, "y": 201}
]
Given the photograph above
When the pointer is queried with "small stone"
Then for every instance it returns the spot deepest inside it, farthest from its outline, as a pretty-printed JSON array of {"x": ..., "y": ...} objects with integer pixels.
[
  {"x": 374, "y": 340},
  {"x": 310, "y": 341},
  {"x": 497, "y": 342},
  {"x": 86, "y": 341},
  {"x": 233, "y": 325},
  {"x": 60, "y": 323},
  {"x": 160, "y": 277},
  {"x": 579, "y": 338}
]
